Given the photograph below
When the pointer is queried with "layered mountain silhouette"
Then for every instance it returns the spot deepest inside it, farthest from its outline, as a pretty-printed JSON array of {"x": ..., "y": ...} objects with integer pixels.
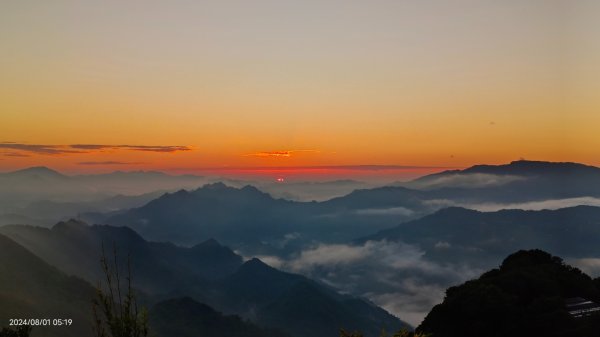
[
  {"x": 208, "y": 272},
  {"x": 525, "y": 296},
  {"x": 31, "y": 288},
  {"x": 515, "y": 182},
  {"x": 45, "y": 196},
  {"x": 461, "y": 234},
  {"x": 76, "y": 248},
  {"x": 248, "y": 218}
]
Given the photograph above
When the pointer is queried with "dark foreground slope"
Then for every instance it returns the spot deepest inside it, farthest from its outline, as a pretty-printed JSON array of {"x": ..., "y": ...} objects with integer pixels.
[
  {"x": 524, "y": 297},
  {"x": 208, "y": 273},
  {"x": 30, "y": 288},
  {"x": 184, "y": 317},
  {"x": 158, "y": 267},
  {"x": 299, "y": 305}
]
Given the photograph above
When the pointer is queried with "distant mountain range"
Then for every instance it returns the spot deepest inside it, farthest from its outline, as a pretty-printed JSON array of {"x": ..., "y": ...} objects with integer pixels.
[
  {"x": 419, "y": 218},
  {"x": 41, "y": 182},
  {"x": 41, "y": 196},
  {"x": 207, "y": 272},
  {"x": 515, "y": 182},
  {"x": 254, "y": 221},
  {"x": 461, "y": 234}
]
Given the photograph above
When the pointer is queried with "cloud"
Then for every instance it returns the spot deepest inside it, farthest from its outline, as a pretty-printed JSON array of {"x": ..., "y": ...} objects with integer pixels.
[
  {"x": 320, "y": 168},
  {"x": 15, "y": 154},
  {"x": 149, "y": 148},
  {"x": 282, "y": 153},
  {"x": 40, "y": 149},
  {"x": 590, "y": 265},
  {"x": 413, "y": 302},
  {"x": 529, "y": 206},
  {"x": 471, "y": 180},
  {"x": 395, "y": 275},
  {"x": 386, "y": 211},
  {"x": 52, "y": 149},
  {"x": 108, "y": 163}
]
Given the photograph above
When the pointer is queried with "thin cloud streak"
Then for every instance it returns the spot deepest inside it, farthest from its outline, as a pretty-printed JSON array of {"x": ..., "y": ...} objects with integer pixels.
[
  {"x": 281, "y": 153},
  {"x": 149, "y": 148},
  {"x": 320, "y": 167},
  {"x": 109, "y": 163},
  {"x": 40, "y": 148},
  {"x": 53, "y": 149}
]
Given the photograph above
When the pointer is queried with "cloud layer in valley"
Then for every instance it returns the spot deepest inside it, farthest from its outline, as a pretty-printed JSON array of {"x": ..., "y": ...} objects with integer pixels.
[
  {"x": 529, "y": 206},
  {"x": 394, "y": 275},
  {"x": 473, "y": 180}
]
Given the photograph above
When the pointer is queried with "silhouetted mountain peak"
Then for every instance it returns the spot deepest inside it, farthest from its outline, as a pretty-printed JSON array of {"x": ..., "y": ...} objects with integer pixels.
[
  {"x": 256, "y": 264},
  {"x": 529, "y": 167},
  {"x": 209, "y": 243},
  {"x": 530, "y": 258},
  {"x": 453, "y": 212},
  {"x": 70, "y": 225},
  {"x": 39, "y": 171},
  {"x": 213, "y": 246},
  {"x": 215, "y": 186}
]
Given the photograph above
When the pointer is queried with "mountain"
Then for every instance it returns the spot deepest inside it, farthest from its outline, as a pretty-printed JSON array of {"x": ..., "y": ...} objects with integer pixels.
[
  {"x": 184, "y": 317},
  {"x": 30, "y": 288},
  {"x": 525, "y": 296},
  {"x": 207, "y": 272},
  {"x": 37, "y": 172},
  {"x": 76, "y": 248},
  {"x": 308, "y": 311},
  {"x": 514, "y": 182},
  {"x": 255, "y": 222},
  {"x": 296, "y": 304},
  {"x": 535, "y": 168},
  {"x": 20, "y": 189},
  {"x": 458, "y": 233}
]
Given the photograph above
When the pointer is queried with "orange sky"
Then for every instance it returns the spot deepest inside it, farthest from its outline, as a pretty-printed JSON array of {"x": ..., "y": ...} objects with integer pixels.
[{"x": 315, "y": 83}]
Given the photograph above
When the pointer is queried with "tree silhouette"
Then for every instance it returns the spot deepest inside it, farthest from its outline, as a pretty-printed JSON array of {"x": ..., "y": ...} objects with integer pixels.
[
  {"x": 19, "y": 331},
  {"x": 116, "y": 314},
  {"x": 401, "y": 333}
]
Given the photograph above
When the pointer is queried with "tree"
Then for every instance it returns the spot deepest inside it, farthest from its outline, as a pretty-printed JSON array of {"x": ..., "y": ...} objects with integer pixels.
[
  {"x": 401, "y": 333},
  {"x": 19, "y": 331},
  {"x": 116, "y": 314}
]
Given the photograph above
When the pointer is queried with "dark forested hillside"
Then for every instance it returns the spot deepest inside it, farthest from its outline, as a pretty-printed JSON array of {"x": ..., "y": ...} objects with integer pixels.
[
  {"x": 30, "y": 288},
  {"x": 525, "y": 296},
  {"x": 184, "y": 317}
]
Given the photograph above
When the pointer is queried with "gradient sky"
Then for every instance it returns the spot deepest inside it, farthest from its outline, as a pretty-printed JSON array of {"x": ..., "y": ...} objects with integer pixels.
[{"x": 182, "y": 85}]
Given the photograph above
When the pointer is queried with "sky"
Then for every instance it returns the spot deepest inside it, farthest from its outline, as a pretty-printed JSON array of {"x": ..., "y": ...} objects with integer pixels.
[{"x": 202, "y": 86}]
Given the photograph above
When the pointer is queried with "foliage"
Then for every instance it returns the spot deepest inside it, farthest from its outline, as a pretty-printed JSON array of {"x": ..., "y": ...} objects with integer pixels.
[
  {"x": 19, "y": 331},
  {"x": 116, "y": 314},
  {"x": 524, "y": 297},
  {"x": 400, "y": 333}
]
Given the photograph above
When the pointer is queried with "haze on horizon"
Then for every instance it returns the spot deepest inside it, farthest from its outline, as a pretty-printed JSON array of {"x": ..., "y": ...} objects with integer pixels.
[{"x": 178, "y": 86}]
